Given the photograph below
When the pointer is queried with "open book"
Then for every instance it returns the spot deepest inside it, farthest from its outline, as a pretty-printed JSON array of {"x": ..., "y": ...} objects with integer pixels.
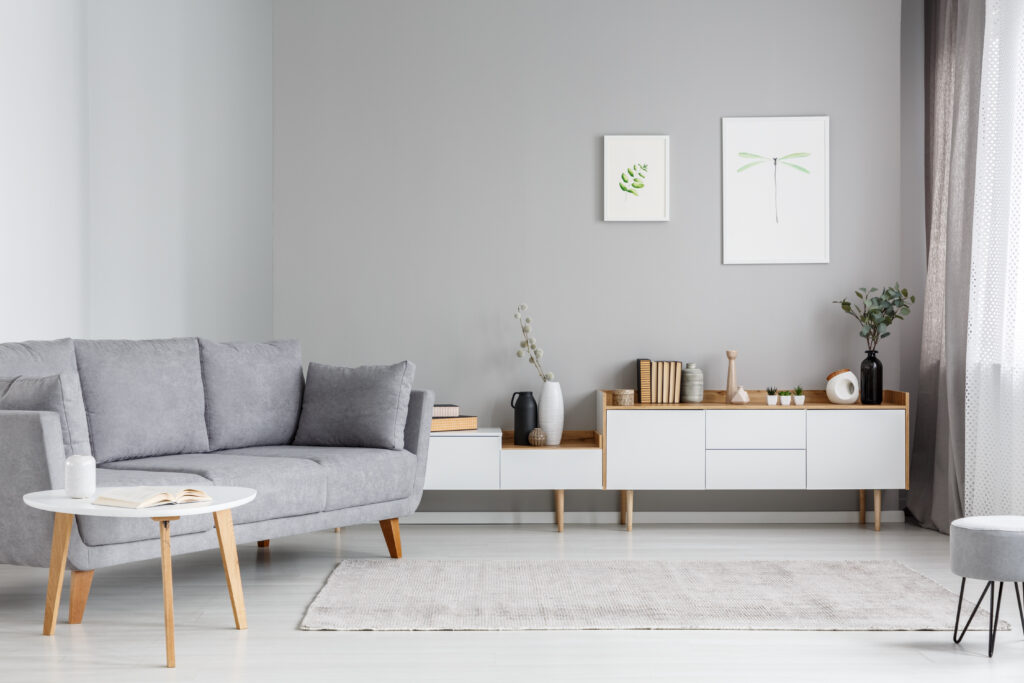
[{"x": 139, "y": 497}]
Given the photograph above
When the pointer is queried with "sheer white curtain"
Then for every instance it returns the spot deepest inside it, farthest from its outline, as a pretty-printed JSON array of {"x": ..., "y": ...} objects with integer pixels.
[{"x": 994, "y": 430}]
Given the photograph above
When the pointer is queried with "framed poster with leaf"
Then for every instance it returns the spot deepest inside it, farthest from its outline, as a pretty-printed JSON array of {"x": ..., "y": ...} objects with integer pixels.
[
  {"x": 636, "y": 177},
  {"x": 775, "y": 190}
]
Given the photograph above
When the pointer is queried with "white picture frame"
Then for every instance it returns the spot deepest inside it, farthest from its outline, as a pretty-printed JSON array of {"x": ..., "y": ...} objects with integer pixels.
[
  {"x": 775, "y": 190},
  {"x": 643, "y": 160}
]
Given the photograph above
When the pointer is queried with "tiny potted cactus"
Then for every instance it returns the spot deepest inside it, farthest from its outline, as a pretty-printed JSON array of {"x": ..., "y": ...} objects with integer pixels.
[
  {"x": 785, "y": 396},
  {"x": 772, "y": 396},
  {"x": 798, "y": 395}
]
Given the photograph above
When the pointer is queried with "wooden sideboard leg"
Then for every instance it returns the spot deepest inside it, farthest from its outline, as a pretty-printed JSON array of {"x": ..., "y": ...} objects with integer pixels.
[
  {"x": 392, "y": 536},
  {"x": 560, "y": 509},
  {"x": 81, "y": 582},
  {"x": 229, "y": 558},
  {"x": 622, "y": 507},
  {"x": 58, "y": 560},
  {"x": 878, "y": 510},
  {"x": 629, "y": 510},
  {"x": 862, "y": 516},
  {"x": 263, "y": 544}
]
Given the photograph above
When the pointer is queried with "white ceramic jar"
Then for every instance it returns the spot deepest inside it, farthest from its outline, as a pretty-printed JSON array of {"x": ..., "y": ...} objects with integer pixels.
[{"x": 80, "y": 476}]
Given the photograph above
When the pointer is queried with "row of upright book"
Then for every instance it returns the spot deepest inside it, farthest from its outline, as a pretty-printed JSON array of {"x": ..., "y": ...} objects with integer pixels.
[
  {"x": 659, "y": 381},
  {"x": 448, "y": 418}
]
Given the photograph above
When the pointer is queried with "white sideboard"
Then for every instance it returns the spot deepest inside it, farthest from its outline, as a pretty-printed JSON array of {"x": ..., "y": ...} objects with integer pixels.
[{"x": 714, "y": 445}]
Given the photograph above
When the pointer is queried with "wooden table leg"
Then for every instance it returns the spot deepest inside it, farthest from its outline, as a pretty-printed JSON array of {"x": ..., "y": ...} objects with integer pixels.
[
  {"x": 878, "y": 510},
  {"x": 81, "y": 582},
  {"x": 165, "y": 568},
  {"x": 58, "y": 560},
  {"x": 622, "y": 507},
  {"x": 629, "y": 510},
  {"x": 229, "y": 557},
  {"x": 560, "y": 509},
  {"x": 861, "y": 517}
]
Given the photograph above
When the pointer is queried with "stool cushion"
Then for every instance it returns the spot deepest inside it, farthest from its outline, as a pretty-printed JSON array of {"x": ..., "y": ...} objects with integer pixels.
[{"x": 988, "y": 548}]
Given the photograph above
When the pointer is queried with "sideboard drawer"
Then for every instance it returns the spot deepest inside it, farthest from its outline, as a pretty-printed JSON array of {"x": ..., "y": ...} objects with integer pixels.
[
  {"x": 756, "y": 429},
  {"x": 549, "y": 468},
  {"x": 757, "y": 469},
  {"x": 463, "y": 462}
]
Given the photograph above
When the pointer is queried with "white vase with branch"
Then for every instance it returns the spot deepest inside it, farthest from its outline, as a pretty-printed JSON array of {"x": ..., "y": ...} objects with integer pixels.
[{"x": 551, "y": 412}]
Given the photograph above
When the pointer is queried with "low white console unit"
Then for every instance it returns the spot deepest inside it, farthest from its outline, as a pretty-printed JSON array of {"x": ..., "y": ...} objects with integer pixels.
[{"x": 716, "y": 445}]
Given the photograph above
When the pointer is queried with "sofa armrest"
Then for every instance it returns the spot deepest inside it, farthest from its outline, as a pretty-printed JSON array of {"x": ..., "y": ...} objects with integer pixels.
[
  {"x": 31, "y": 459},
  {"x": 417, "y": 436}
]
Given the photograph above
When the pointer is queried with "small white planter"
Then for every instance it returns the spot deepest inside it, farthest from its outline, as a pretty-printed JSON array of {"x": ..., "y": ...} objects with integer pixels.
[
  {"x": 784, "y": 400},
  {"x": 772, "y": 399},
  {"x": 799, "y": 400}
]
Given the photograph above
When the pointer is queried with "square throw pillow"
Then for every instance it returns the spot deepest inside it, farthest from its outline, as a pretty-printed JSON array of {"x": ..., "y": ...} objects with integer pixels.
[
  {"x": 46, "y": 358},
  {"x": 253, "y": 392},
  {"x": 38, "y": 393},
  {"x": 363, "y": 407}
]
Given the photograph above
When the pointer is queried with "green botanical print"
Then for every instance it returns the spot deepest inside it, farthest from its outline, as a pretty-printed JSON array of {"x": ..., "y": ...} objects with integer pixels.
[
  {"x": 758, "y": 159},
  {"x": 633, "y": 179}
]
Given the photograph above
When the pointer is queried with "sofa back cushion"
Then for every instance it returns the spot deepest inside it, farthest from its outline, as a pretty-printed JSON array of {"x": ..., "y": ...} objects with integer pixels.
[
  {"x": 143, "y": 397},
  {"x": 45, "y": 358},
  {"x": 364, "y": 406},
  {"x": 37, "y": 393},
  {"x": 253, "y": 392}
]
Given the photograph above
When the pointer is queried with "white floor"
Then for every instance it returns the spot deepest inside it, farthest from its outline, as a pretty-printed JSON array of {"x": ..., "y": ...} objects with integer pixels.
[{"x": 121, "y": 638}]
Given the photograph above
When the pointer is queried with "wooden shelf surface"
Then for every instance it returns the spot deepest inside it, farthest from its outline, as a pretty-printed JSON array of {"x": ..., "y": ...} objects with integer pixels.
[
  {"x": 816, "y": 400},
  {"x": 570, "y": 439}
]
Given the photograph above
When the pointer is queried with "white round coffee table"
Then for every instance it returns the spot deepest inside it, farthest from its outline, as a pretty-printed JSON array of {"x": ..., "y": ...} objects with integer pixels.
[{"x": 65, "y": 509}]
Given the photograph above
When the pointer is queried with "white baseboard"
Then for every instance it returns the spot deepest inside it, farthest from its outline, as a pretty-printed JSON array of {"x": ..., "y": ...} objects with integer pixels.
[{"x": 612, "y": 517}]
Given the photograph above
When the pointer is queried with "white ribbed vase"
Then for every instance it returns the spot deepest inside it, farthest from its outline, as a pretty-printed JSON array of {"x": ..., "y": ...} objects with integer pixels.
[
  {"x": 79, "y": 476},
  {"x": 551, "y": 413}
]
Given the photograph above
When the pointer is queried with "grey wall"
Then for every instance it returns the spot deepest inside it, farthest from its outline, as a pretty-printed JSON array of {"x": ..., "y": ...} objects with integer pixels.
[
  {"x": 437, "y": 163},
  {"x": 179, "y": 168}
]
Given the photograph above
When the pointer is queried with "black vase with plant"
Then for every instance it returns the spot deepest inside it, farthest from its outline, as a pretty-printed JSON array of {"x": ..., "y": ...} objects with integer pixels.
[{"x": 876, "y": 314}]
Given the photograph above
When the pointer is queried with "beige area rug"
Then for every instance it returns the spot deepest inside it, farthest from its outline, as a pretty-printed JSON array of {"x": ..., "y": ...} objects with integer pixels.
[{"x": 511, "y": 595}]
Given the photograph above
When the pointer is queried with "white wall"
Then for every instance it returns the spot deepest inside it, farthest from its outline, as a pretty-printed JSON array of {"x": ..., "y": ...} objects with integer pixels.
[
  {"x": 42, "y": 188},
  {"x": 179, "y": 166}
]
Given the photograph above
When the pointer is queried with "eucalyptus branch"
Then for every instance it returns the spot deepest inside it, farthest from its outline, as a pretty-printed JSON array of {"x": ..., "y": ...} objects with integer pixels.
[{"x": 877, "y": 313}]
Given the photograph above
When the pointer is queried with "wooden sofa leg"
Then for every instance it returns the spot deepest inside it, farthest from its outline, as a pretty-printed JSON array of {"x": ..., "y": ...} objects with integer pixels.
[
  {"x": 392, "y": 536},
  {"x": 263, "y": 544},
  {"x": 81, "y": 582}
]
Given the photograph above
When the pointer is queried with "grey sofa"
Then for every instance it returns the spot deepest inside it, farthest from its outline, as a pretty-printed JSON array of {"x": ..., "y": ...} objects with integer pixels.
[{"x": 182, "y": 412}]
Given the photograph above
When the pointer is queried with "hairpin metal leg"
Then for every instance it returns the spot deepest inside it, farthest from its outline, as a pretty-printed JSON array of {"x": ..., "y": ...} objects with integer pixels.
[
  {"x": 993, "y": 617},
  {"x": 958, "y": 635},
  {"x": 995, "y": 603},
  {"x": 1020, "y": 607}
]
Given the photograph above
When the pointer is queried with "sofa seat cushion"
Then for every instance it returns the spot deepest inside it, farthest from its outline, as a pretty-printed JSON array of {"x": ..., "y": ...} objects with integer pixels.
[
  {"x": 354, "y": 476},
  {"x": 143, "y": 398},
  {"x": 44, "y": 358},
  {"x": 107, "y": 530},
  {"x": 285, "y": 487}
]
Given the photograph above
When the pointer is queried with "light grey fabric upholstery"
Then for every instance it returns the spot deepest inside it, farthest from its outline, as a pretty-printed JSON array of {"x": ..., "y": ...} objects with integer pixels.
[
  {"x": 143, "y": 398},
  {"x": 253, "y": 392},
  {"x": 360, "y": 407},
  {"x": 987, "y": 548},
  {"x": 37, "y": 393},
  {"x": 285, "y": 486},
  {"x": 417, "y": 437},
  {"x": 104, "y": 530},
  {"x": 354, "y": 476},
  {"x": 44, "y": 358}
]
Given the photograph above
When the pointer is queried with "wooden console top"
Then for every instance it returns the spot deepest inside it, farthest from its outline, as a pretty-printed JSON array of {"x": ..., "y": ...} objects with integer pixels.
[{"x": 816, "y": 400}]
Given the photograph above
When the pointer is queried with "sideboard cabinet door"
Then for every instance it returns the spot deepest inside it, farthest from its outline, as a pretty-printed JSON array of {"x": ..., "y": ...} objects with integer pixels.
[
  {"x": 856, "y": 449},
  {"x": 655, "y": 449}
]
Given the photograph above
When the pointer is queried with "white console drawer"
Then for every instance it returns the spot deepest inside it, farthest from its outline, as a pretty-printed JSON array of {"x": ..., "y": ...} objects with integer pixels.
[
  {"x": 564, "y": 468},
  {"x": 756, "y": 429},
  {"x": 463, "y": 462},
  {"x": 757, "y": 469}
]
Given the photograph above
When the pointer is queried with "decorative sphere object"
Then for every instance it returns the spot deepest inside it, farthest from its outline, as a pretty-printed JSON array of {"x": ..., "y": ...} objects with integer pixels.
[
  {"x": 537, "y": 437},
  {"x": 622, "y": 397},
  {"x": 842, "y": 387}
]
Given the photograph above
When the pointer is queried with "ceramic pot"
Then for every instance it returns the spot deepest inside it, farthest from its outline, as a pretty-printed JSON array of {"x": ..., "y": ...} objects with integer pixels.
[
  {"x": 871, "y": 379},
  {"x": 842, "y": 387},
  {"x": 772, "y": 399},
  {"x": 799, "y": 400},
  {"x": 552, "y": 412},
  {"x": 80, "y": 476},
  {"x": 525, "y": 417},
  {"x": 784, "y": 400},
  {"x": 693, "y": 384}
]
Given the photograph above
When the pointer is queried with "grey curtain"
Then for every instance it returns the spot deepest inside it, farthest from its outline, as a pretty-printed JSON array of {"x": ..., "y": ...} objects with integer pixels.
[{"x": 954, "y": 38}]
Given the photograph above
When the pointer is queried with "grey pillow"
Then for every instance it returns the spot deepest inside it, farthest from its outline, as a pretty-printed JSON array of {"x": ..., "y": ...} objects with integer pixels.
[
  {"x": 37, "y": 393},
  {"x": 143, "y": 397},
  {"x": 46, "y": 358},
  {"x": 364, "y": 406},
  {"x": 253, "y": 392}
]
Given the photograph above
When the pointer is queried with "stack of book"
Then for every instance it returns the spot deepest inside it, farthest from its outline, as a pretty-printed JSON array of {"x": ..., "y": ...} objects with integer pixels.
[
  {"x": 659, "y": 381},
  {"x": 448, "y": 419}
]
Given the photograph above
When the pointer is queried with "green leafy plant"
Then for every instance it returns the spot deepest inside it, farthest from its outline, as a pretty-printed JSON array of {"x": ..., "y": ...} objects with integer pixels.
[
  {"x": 759, "y": 159},
  {"x": 799, "y": 391},
  {"x": 877, "y": 312},
  {"x": 771, "y": 391},
  {"x": 634, "y": 179},
  {"x": 528, "y": 345},
  {"x": 784, "y": 392}
]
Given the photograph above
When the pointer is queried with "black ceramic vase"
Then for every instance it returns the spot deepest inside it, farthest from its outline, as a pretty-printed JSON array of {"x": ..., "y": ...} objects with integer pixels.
[
  {"x": 526, "y": 417},
  {"x": 871, "y": 380}
]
